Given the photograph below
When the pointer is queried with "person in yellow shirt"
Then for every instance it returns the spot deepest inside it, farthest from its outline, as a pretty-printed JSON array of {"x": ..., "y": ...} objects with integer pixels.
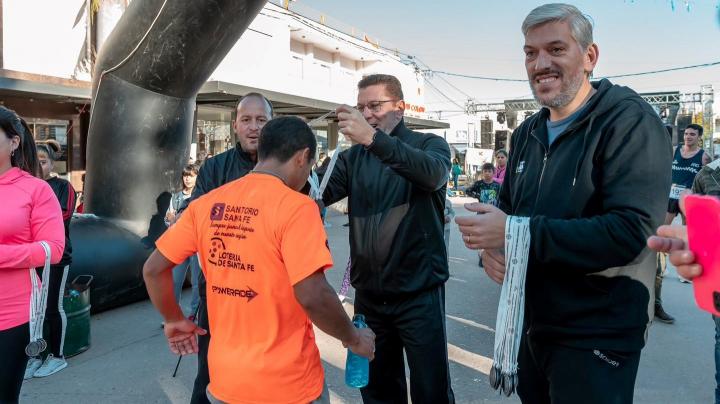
[{"x": 263, "y": 251}]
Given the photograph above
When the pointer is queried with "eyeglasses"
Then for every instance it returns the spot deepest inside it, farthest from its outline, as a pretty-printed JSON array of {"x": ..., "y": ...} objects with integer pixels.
[{"x": 374, "y": 106}]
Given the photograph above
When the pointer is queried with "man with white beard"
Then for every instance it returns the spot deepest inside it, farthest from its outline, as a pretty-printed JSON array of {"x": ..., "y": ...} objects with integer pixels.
[{"x": 586, "y": 185}]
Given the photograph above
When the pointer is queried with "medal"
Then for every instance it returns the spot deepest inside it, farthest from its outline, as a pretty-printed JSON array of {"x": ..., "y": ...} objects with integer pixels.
[
  {"x": 495, "y": 377},
  {"x": 33, "y": 349},
  {"x": 38, "y": 304}
]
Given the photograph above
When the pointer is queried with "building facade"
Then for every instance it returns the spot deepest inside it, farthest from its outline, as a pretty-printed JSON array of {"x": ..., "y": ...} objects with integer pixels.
[{"x": 302, "y": 65}]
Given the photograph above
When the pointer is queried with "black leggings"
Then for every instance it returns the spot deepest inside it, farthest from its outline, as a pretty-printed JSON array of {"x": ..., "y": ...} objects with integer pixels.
[
  {"x": 54, "y": 313},
  {"x": 12, "y": 366}
]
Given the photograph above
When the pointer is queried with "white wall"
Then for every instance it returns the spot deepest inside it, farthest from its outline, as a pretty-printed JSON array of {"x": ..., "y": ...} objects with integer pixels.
[
  {"x": 317, "y": 66},
  {"x": 39, "y": 38}
]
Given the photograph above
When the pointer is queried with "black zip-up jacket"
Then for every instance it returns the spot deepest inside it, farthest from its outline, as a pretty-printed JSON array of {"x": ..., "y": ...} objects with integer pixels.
[
  {"x": 396, "y": 200},
  {"x": 594, "y": 196},
  {"x": 65, "y": 194},
  {"x": 218, "y": 170}
]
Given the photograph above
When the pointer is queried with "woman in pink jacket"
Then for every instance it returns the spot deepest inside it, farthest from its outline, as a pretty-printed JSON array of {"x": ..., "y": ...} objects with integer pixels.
[
  {"x": 501, "y": 158},
  {"x": 30, "y": 214}
]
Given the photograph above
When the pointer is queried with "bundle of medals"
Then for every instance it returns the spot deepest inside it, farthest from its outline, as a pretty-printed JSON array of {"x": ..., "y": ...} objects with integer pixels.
[{"x": 38, "y": 303}]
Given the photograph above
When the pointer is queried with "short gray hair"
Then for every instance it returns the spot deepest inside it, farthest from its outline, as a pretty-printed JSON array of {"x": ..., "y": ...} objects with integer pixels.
[{"x": 580, "y": 26}]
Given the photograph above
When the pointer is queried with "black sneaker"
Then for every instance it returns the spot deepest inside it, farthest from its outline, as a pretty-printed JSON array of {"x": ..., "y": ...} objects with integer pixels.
[{"x": 661, "y": 315}]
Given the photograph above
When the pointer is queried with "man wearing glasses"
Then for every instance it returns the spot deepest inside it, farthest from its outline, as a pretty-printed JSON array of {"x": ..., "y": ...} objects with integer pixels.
[{"x": 395, "y": 180}]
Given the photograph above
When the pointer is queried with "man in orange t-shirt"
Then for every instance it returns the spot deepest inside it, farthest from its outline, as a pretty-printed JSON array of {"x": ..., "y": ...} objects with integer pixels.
[{"x": 263, "y": 251}]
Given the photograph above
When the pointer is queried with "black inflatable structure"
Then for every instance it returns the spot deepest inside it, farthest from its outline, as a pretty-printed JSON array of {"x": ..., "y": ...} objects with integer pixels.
[{"x": 146, "y": 78}]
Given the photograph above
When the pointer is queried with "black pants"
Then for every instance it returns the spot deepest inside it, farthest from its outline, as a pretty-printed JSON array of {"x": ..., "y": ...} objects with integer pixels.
[
  {"x": 551, "y": 373},
  {"x": 54, "y": 312},
  {"x": 417, "y": 324},
  {"x": 199, "y": 395},
  {"x": 13, "y": 361}
]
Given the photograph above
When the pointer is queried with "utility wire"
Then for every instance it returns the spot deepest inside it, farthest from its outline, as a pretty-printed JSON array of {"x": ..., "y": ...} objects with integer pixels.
[
  {"x": 428, "y": 82},
  {"x": 467, "y": 96},
  {"x": 429, "y": 70},
  {"x": 470, "y": 76},
  {"x": 615, "y": 76},
  {"x": 672, "y": 69}
]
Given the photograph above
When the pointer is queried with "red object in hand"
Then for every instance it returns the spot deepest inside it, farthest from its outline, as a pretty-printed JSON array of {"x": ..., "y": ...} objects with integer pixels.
[{"x": 703, "y": 224}]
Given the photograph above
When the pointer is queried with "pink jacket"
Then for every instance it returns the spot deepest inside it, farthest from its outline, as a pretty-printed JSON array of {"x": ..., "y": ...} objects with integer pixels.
[
  {"x": 500, "y": 175},
  {"x": 30, "y": 213}
]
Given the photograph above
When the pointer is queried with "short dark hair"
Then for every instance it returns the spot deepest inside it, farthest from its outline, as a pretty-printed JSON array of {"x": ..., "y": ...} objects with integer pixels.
[
  {"x": 190, "y": 169},
  {"x": 392, "y": 84},
  {"x": 282, "y": 137},
  {"x": 697, "y": 127},
  {"x": 257, "y": 95},
  {"x": 488, "y": 166}
]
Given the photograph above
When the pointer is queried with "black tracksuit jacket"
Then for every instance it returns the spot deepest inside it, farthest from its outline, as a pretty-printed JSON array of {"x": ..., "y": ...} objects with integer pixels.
[
  {"x": 594, "y": 196},
  {"x": 396, "y": 198}
]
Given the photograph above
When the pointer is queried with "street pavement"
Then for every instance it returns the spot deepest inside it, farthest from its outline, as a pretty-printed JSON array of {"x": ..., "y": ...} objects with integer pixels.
[{"x": 129, "y": 361}]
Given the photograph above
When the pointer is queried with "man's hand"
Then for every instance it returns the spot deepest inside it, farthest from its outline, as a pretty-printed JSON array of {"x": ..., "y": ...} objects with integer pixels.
[
  {"x": 494, "y": 263},
  {"x": 363, "y": 344},
  {"x": 182, "y": 336},
  {"x": 353, "y": 125},
  {"x": 673, "y": 240},
  {"x": 447, "y": 219},
  {"x": 485, "y": 230}
]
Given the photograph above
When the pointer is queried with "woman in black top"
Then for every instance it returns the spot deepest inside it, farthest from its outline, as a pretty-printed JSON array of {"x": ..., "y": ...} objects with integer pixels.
[{"x": 54, "y": 313}]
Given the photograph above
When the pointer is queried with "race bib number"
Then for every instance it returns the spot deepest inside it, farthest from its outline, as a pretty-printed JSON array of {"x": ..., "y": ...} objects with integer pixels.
[{"x": 676, "y": 190}]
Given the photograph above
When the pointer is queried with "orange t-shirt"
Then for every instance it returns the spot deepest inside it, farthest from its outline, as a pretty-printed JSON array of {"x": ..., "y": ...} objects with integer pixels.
[{"x": 256, "y": 238}]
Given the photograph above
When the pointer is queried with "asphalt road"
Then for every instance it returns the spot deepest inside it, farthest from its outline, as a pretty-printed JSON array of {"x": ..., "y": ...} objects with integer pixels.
[{"x": 129, "y": 361}]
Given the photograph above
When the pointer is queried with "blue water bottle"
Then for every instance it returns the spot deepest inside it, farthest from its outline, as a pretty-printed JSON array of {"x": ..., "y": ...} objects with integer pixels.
[{"x": 357, "y": 368}]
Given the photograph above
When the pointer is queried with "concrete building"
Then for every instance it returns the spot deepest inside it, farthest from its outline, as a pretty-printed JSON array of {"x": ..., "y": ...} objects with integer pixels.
[{"x": 304, "y": 67}]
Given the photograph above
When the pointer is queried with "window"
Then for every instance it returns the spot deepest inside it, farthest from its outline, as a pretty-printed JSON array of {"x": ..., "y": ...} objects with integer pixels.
[
  {"x": 214, "y": 137},
  {"x": 296, "y": 67}
]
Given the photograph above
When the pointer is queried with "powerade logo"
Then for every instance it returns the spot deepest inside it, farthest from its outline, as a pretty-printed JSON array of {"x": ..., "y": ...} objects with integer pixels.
[
  {"x": 216, "y": 213},
  {"x": 248, "y": 293}
]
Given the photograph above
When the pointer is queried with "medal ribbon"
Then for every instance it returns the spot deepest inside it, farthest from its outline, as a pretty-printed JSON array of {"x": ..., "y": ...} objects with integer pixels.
[
  {"x": 38, "y": 303},
  {"x": 511, "y": 307}
]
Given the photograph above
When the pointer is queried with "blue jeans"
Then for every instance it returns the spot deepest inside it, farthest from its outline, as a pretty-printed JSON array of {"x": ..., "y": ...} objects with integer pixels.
[
  {"x": 717, "y": 359},
  {"x": 179, "y": 273},
  {"x": 455, "y": 181}
]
